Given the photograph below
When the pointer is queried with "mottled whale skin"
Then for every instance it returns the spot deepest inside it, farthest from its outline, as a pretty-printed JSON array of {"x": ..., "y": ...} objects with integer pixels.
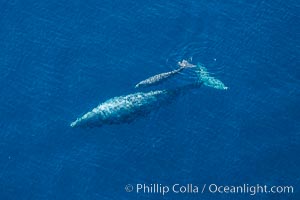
[
  {"x": 159, "y": 78},
  {"x": 125, "y": 109},
  {"x": 204, "y": 76},
  {"x": 154, "y": 80},
  {"x": 209, "y": 80}
]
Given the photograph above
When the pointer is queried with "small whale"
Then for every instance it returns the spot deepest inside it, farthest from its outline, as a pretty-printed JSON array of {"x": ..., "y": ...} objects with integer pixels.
[
  {"x": 185, "y": 63},
  {"x": 154, "y": 80},
  {"x": 125, "y": 109}
]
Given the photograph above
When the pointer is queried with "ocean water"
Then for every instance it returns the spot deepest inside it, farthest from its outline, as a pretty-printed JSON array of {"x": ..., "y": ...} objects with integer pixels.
[{"x": 59, "y": 59}]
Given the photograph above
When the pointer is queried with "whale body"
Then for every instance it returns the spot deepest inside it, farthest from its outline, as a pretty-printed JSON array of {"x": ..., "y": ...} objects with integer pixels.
[
  {"x": 125, "y": 109},
  {"x": 208, "y": 80},
  {"x": 154, "y": 80},
  {"x": 159, "y": 78}
]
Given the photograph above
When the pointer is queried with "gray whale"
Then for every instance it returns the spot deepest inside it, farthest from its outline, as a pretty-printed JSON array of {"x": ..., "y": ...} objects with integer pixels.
[
  {"x": 159, "y": 78},
  {"x": 125, "y": 109}
]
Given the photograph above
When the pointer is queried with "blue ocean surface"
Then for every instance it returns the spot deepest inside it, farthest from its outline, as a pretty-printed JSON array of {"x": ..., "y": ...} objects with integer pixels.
[{"x": 60, "y": 59}]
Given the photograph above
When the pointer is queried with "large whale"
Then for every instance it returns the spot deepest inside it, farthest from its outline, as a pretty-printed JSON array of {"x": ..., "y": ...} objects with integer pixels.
[
  {"x": 125, "y": 109},
  {"x": 208, "y": 80},
  {"x": 156, "y": 79},
  {"x": 204, "y": 76}
]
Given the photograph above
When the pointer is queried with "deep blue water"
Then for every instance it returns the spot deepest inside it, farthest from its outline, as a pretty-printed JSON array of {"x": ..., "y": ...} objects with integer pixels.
[{"x": 59, "y": 59}]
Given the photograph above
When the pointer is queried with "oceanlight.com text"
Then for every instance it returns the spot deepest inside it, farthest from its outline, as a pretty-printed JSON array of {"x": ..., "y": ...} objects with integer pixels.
[{"x": 177, "y": 188}]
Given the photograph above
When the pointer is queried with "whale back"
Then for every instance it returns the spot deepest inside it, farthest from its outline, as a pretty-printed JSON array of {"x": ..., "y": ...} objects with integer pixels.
[
  {"x": 123, "y": 109},
  {"x": 208, "y": 80}
]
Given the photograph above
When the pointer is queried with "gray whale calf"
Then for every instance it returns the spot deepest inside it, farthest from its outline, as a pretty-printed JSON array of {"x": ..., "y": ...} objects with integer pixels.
[
  {"x": 154, "y": 80},
  {"x": 125, "y": 109}
]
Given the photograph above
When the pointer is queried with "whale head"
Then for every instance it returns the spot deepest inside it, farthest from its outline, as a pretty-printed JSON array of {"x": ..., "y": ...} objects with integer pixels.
[{"x": 89, "y": 119}]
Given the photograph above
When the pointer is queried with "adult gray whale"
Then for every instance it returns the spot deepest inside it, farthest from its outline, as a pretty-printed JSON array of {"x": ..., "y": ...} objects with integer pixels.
[
  {"x": 209, "y": 80},
  {"x": 125, "y": 109},
  {"x": 154, "y": 80},
  {"x": 204, "y": 76}
]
